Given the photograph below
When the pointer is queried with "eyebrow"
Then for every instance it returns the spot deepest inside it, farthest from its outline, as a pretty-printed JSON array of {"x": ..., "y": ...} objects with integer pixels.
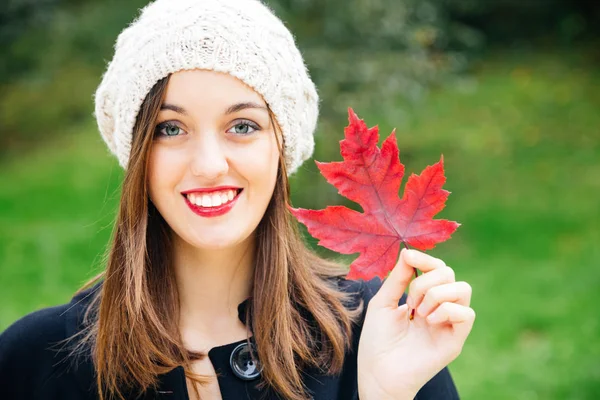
[{"x": 230, "y": 110}]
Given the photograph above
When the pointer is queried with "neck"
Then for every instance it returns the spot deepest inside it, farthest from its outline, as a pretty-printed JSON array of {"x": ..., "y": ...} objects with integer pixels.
[{"x": 212, "y": 284}]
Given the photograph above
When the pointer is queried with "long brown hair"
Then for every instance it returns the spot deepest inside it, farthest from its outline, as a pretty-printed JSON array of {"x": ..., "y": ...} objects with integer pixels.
[{"x": 132, "y": 324}]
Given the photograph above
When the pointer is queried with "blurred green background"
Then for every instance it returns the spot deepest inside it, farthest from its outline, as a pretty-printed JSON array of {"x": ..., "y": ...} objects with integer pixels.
[{"x": 508, "y": 91}]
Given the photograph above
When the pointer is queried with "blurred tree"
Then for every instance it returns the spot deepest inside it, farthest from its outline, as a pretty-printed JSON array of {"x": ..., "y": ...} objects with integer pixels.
[
  {"x": 385, "y": 46},
  {"x": 53, "y": 54},
  {"x": 505, "y": 22},
  {"x": 17, "y": 18}
]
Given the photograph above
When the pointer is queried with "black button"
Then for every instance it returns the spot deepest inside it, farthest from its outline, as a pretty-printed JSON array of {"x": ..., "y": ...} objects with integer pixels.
[{"x": 242, "y": 364}]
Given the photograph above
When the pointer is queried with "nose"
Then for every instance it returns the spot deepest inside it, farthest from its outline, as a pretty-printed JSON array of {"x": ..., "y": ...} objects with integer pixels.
[{"x": 208, "y": 157}]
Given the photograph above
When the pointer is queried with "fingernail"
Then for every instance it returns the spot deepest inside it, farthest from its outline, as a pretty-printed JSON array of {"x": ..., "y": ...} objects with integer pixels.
[
  {"x": 421, "y": 310},
  {"x": 410, "y": 302}
]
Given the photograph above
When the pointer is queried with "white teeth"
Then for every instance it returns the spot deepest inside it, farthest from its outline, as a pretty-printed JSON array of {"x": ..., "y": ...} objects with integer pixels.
[{"x": 214, "y": 199}]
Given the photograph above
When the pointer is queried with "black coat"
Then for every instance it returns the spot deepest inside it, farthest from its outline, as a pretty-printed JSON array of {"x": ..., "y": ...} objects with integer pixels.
[{"x": 33, "y": 367}]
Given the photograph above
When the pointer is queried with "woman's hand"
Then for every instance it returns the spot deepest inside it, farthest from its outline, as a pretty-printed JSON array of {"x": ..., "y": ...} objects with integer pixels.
[{"x": 397, "y": 356}]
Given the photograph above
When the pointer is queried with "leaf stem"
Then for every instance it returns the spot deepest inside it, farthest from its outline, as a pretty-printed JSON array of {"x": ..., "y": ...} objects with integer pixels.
[{"x": 416, "y": 273}]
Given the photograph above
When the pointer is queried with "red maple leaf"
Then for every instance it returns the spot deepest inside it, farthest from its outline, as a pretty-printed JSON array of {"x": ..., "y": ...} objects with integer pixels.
[{"x": 371, "y": 177}]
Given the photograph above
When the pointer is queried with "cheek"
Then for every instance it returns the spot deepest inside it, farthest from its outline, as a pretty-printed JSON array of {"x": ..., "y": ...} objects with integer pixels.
[
  {"x": 260, "y": 165},
  {"x": 162, "y": 170},
  {"x": 257, "y": 165}
]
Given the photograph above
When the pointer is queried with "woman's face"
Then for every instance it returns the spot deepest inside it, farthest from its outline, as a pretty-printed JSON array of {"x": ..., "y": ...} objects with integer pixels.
[{"x": 214, "y": 159}]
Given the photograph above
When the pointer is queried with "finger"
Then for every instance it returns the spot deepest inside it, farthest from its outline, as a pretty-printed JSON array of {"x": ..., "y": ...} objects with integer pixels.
[
  {"x": 419, "y": 286},
  {"x": 421, "y": 261},
  {"x": 461, "y": 317},
  {"x": 394, "y": 285},
  {"x": 456, "y": 292}
]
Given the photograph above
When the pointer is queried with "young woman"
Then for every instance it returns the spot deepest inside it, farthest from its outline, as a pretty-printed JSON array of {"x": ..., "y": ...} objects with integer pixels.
[{"x": 209, "y": 291}]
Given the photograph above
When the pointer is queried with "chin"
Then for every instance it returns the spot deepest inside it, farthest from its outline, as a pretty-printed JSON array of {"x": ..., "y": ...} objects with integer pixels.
[{"x": 216, "y": 242}]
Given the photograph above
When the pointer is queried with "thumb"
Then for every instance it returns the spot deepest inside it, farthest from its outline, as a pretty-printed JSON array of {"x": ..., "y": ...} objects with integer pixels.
[{"x": 394, "y": 285}]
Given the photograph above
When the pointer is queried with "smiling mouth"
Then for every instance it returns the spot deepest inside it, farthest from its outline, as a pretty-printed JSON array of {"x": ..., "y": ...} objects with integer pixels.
[{"x": 217, "y": 198}]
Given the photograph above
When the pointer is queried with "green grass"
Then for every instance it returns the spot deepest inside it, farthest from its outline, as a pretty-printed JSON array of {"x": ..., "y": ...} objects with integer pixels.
[
  {"x": 56, "y": 203},
  {"x": 521, "y": 144}
]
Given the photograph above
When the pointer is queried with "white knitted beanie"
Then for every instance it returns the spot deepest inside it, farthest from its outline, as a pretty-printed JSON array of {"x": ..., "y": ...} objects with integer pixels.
[{"x": 240, "y": 37}]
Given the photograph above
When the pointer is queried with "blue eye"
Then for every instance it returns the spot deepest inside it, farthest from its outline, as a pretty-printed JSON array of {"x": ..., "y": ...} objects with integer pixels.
[
  {"x": 244, "y": 127},
  {"x": 168, "y": 129}
]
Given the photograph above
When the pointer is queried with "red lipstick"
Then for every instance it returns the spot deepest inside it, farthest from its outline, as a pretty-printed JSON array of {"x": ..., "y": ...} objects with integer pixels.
[
  {"x": 212, "y": 211},
  {"x": 211, "y": 189}
]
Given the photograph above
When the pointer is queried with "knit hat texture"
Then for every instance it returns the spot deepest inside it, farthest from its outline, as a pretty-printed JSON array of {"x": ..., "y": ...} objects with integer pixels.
[{"x": 242, "y": 38}]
